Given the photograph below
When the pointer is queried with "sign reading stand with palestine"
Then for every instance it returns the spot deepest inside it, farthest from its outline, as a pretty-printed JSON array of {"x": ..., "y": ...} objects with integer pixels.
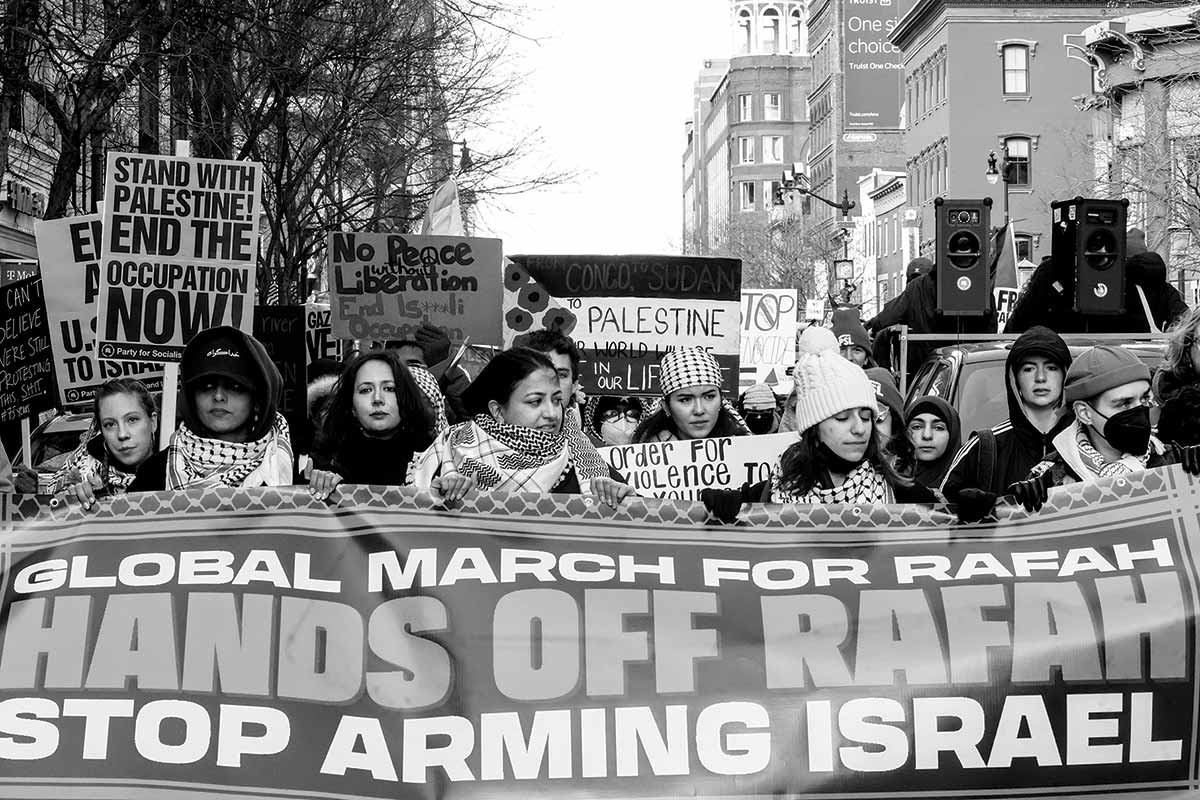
[
  {"x": 69, "y": 250},
  {"x": 179, "y": 254},
  {"x": 626, "y": 312}
]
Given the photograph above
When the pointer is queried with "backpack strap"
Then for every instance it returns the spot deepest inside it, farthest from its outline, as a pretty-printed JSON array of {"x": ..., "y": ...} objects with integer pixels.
[{"x": 987, "y": 458}]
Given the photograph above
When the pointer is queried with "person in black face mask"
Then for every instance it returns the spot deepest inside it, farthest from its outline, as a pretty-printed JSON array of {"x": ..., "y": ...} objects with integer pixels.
[
  {"x": 1109, "y": 389},
  {"x": 759, "y": 409}
]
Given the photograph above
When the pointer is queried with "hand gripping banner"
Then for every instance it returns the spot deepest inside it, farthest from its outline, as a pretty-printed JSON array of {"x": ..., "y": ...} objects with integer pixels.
[{"x": 258, "y": 644}]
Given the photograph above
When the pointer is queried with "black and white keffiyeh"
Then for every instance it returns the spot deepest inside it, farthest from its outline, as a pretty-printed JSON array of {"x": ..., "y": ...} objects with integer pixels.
[
  {"x": 864, "y": 484},
  {"x": 688, "y": 367},
  {"x": 433, "y": 393},
  {"x": 196, "y": 461}
]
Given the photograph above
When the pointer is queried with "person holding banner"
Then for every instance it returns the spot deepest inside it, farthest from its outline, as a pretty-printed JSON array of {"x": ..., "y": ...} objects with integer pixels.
[
  {"x": 378, "y": 419},
  {"x": 232, "y": 433},
  {"x": 691, "y": 406},
  {"x": 839, "y": 458},
  {"x": 514, "y": 441},
  {"x": 123, "y": 435}
]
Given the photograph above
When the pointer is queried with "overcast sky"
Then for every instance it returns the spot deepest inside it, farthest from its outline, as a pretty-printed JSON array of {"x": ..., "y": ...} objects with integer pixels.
[{"x": 610, "y": 89}]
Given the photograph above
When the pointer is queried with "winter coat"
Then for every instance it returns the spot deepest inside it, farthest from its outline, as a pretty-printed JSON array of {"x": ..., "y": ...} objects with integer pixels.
[{"x": 365, "y": 459}]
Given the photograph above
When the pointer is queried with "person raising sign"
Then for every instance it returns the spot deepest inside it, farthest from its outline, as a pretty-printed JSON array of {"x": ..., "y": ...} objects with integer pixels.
[
  {"x": 232, "y": 433},
  {"x": 692, "y": 406}
]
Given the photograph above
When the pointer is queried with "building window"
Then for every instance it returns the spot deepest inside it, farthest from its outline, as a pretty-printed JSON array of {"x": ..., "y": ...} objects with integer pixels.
[
  {"x": 772, "y": 149},
  {"x": 1016, "y": 69},
  {"x": 745, "y": 107},
  {"x": 773, "y": 193},
  {"x": 745, "y": 149},
  {"x": 744, "y": 32},
  {"x": 796, "y": 33},
  {"x": 772, "y": 106},
  {"x": 770, "y": 31},
  {"x": 747, "y": 195},
  {"x": 1024, "y": 247},
  {"x": 1018, "y": 161}
]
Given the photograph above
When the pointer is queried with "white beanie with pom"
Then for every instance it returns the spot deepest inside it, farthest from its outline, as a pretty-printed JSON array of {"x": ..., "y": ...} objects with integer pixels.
[{"x": 826, "y": 383}]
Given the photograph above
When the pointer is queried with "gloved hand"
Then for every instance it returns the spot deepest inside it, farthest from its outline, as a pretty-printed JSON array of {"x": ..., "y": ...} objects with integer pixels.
[
  {"x": 435, "y": 344},
  {"x": 724, "y": 504},
  {"x": 1032, "y": 493},
  {"x": 1188, "y": 458},
  {"x": 975, "y": 504}
]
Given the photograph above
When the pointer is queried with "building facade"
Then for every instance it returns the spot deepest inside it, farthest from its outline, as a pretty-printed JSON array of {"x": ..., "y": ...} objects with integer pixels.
[
  {"x": 982, "y": 77},
  {"x": 24, "y": 186},
  {"x": 887, "y": 240}
]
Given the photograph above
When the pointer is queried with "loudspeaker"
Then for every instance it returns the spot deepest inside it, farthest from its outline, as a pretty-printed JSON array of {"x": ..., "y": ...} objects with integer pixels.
[
  {"x": 1088, "y": 241},
  {"x": 963, "y": 285}
]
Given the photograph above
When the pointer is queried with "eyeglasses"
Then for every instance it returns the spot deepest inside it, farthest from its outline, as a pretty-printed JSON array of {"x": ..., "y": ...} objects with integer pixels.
[{"x": 612, "y": 415}]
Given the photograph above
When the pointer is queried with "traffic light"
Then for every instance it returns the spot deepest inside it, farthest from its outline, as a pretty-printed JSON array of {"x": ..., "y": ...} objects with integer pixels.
[
  {"x": 963, "y": 285},
  {"x": 1088, "y": 241}
]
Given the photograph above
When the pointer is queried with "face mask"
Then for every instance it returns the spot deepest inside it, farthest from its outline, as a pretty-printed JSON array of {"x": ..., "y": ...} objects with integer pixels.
[
  {"x": 1128, "y": 430},
  {"x": 760, "y": 423},
  {"x": 618, "y": 432},
  {"x": 835, "y": 463}
]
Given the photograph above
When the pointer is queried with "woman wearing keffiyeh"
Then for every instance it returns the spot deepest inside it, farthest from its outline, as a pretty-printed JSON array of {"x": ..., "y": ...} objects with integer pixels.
[
  {"x": 515, "y": 441},
  {"x": 232, "y": 433}
]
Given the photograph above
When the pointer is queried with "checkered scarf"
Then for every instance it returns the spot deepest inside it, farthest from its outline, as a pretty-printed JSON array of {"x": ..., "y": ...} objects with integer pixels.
[
  {"x": 508, "y": 458},
  {"x": 196, "y": 461},
  {"x": 433, "y": 393},
  {"x": 864, "y": 484},
  {"x": 1091, "y": 458},
  {"x": 81, "y": 465},
  {"x": 688, "y": 367}
]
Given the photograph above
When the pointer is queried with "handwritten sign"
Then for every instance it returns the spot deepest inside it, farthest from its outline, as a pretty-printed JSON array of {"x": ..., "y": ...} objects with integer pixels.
[
  {"x": 626, "y": 312},
  {"x": 26, "y": 368},
  {"x": 769, "y": 337},
  {"x": 383, "y": 286},
  {"x": 179, "y": 252},
  {"x": 69, "y": 250},
  {"x": 281, "y": 329},
  {"x": 681, "y": 469},
  {"x": 318, "y": 334}
]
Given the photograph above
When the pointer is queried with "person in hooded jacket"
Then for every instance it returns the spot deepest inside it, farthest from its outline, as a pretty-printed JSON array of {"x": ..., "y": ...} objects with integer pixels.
[
  {"x": 232, "y": 433},
  {"x": 993, "y": 460},
  {"x": 932, "y": 434}
]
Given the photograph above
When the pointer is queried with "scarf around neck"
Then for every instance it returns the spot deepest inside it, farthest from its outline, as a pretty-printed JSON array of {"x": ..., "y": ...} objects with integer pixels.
[
  {"x": 83, "y": 464},
  {"x": 864, "y": 484},
  {"x": 193, "y": 460},
  {"x": 1094, "y": 462}
]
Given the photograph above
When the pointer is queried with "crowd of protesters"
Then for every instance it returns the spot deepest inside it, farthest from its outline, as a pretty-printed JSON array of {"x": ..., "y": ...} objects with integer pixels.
[{"x": 403, "y": 414}]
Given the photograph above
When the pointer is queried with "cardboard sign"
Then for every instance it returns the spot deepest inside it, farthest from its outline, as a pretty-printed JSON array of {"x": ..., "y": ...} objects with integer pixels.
[
  {"x": 384, "y": 285},
  {"x": 769, "y": 337},
  {"x": 69, "y": 250},
  {"x": 26, "y": 363},
  {"x": 281, "y": 329},
  {"x": 179, "y": 255},
  {"x": 814, "y": 310},
  {"x": 681, "y": 469},
  {"x": 626, "y": 312},
  {"x": 318, "y": 334}
]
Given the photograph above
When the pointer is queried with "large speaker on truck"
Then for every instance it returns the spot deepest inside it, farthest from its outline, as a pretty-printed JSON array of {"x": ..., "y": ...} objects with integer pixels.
[
  {"x": 1088, "y": 241},
  {"x": 964, "y": 287}
]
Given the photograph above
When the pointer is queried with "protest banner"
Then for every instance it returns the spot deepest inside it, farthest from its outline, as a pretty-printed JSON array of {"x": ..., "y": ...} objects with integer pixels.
[
  {"x": 318, "y": 334},
  {"x": 69, "y": 250},
  {"x": 626, "y": 312},
  {"x": 179, "y": 254},
  {"x": 680, "y": 469},
  {"x": 384, "y": 285},
  {"x": 769, "y": 338},
  {"x": 26, "y": 364},
  {"x": 263, "y": 644}
]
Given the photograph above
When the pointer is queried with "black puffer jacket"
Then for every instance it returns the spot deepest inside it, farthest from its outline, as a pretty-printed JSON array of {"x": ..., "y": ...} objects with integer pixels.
[{"x": 1019, "y": 445}]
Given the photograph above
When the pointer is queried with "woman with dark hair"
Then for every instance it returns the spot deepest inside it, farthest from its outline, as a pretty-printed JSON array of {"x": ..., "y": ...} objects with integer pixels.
[
  {"x": 123, "y": 434},
  {"x": 232, "y": 433},
  {"x": 692, "y": 406},
  {"x": 376, "y": 421},
  {"x": 931, "y": 438},
  {"x": 838, "y": 458},
  {"x": 514, "y": 441},
  {"x": 1181, "y": 367}
]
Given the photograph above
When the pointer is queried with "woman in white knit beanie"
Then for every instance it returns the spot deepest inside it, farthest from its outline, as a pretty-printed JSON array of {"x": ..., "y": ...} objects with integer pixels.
[
  {"x": 838, "y": 458},
  {"x": 692, "y": 406}
]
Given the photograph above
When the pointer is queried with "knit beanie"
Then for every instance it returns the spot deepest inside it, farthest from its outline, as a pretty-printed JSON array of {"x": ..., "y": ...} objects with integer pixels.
[
  {"x": 758, "y": 397},
  {"x": 887, "y": 393},
  {"x": 849, "y": 330},
  {"x": 686, "y": 368},
  {"x": 826, "y": 383},
  {"x": 1102, "y": 368}
]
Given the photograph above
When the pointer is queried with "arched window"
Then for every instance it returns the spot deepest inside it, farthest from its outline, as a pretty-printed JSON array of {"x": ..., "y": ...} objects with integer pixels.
[
  {"x": 796, "y": 37},
  {"x": 744, "y": 32},
  {"x": 770, "y": 31}
]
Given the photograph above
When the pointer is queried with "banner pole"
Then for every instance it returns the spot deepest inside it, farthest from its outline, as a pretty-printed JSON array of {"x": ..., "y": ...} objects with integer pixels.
[
  {"x": 26, "y": 443},
  {"x": 170, "y": 393}
]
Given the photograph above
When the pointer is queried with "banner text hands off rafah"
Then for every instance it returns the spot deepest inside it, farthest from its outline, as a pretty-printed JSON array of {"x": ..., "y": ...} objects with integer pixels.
[{"x": 366, "y": 648}]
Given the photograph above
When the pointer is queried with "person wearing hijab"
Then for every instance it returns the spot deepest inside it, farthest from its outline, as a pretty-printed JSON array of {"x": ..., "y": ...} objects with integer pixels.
[
  {"x": 232, "y": 433},
  {"x": 692, "y": 406},
  {"x": 514, "y": 441},
  {"x": 612, "y": 420},
  {"x": 838, "y": 458},
  {"x": 933, "y": 431}
]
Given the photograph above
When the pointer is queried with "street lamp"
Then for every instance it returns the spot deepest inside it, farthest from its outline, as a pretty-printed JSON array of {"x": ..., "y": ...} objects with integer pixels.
[
  {"x": 794, "y": 180},
  {"x": 995, "y": 173}
]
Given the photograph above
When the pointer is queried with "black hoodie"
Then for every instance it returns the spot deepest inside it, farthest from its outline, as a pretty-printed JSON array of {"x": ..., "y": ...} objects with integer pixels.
[
  {"x": 268, "y": 388},
  {"x": 1019, "y": 444}
]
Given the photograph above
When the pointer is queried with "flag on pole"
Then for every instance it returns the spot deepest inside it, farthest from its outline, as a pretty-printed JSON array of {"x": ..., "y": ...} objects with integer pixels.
[
  {"x": 443, "y": 216},
  {"x": 1004, "y": 275}
]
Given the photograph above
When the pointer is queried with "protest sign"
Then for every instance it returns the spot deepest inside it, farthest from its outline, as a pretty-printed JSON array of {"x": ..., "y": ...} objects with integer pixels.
[
  {"x": 179, "y": 254},
  {"x": 626, "y": 312},
  {"x": 263, "y": 644},
  {"x": 17, "y": 269},
  {"x": 814, "y": 310},
  {"x": 384, "y": 285},
  {"x": 680, "y": 469},
  {"x": 769, "y": 337},
  {"x": 26, "y": 368},
  {"x": 318, "y": 334},
  {"x": 69, "y": 250},
  {"x": 281, "y": 329}
]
